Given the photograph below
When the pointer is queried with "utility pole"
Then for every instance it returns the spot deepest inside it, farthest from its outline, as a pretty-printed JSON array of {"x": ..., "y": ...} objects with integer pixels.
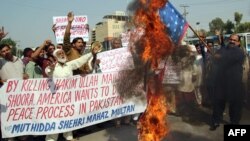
[
  {"x": 185, "y": 13},
  {"x": 185, "y": 10}
]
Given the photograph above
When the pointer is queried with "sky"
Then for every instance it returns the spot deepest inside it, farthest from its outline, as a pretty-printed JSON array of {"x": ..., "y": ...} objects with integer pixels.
[{"x": 29, "y": 22}]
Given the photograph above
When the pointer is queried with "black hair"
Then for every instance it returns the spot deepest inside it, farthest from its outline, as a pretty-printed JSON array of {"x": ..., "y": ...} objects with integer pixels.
[
  {"x": 212, "y": 42},
  {"x": 26, "y": 51},
  {"x": 4, "y": 45},
  {"x": 47, "y": 47},
  {"x": 78, "y": 38}
]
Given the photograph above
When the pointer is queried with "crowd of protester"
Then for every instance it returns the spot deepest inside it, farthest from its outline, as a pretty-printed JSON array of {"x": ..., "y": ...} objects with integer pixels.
[
  {"x": 205, "y": 76},
  {"x": 215, "y": 78}
]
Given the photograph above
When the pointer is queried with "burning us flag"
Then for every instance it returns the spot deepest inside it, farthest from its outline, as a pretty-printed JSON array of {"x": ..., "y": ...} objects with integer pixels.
[
  {"x": 176, "y": 24},
  {"x": 153, "y": 46}
]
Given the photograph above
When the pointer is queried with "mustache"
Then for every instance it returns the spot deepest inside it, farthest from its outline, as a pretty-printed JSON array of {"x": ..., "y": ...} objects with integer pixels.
[
  {"x": 8, "y": 56},
  {"x": 230, "y": 44}
]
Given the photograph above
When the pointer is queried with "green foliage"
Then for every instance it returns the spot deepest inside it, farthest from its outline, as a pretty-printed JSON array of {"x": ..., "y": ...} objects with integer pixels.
[
  {"x": 229, "y": 27},
  {"x": 237, "y": 18},
  {"x": 216, "y": 24},
  {"x": 244, "y": 27}
]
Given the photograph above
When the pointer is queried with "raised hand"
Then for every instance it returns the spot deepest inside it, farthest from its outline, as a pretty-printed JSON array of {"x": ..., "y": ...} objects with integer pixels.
[
  {"x": 70, "y": 17},
  {"x": 54, "y": 28},
  {"x": 2, "y": 34},
  {"x": 217, "y": 32}
]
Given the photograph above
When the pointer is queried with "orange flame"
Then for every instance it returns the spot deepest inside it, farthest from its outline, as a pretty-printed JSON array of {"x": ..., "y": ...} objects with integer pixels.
[
  {"x": 152, "y": 124},
  {"x": 155, "y": 45}
]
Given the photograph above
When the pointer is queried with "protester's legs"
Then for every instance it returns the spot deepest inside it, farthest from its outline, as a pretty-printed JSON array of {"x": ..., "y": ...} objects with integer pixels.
[
  {"x": 235, "y": 110},
  {"x": 218, "y": 109},
  {"x": 198, "y": 95},
  {"x": 51, "y": 137},
  {"x": 190, "y": 104},
  {"x": 170, "y": 93},
  {"x": 127, "y": 119},
  {"x": 118, "y": 122},
  {"x": 68, "y": 136},
  {"x": 173, "y": 102},
  {"x": 179, "y": 102}
]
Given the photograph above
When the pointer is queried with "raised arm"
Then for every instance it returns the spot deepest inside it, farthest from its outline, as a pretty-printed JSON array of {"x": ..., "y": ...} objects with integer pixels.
[
  {"x": 66, "y": 39},
  {"x": 77, "y": 63},
  {"x": 2, "y": 33},
  {"x": 41, "y": 47}
]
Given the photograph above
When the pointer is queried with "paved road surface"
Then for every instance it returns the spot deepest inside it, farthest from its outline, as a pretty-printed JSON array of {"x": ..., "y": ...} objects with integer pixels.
[{"x": 193, "y": 130}]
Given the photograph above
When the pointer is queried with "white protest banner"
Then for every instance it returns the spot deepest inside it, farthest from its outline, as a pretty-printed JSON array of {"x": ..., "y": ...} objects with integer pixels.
[
  {"x": 45, "y": 106},
  {"x": 79, "y": 28},
  {"x": 171, "y": 72},
  {"x": 125, "y": 38},
  {"x": 116, "y": 60},
  {"x": 135, "y": 34}
]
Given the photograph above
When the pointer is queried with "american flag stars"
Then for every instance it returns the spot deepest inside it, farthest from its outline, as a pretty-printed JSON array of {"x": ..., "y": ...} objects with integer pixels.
[{"x": 175, "y": 23}]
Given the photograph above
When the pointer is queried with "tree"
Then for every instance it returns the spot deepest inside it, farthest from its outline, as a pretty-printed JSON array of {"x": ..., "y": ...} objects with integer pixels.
[
  {"x": 237, "y": 19},
  {"x": 244, "y": 27},
  {"x": 216, "y": 24},
  {"x": 229, "y": 27},
  {"x": 10, "y": 42}
]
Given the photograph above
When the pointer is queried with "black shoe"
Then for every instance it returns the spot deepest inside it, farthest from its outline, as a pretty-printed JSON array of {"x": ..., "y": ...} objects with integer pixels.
[{"x": 214, "y": 126}]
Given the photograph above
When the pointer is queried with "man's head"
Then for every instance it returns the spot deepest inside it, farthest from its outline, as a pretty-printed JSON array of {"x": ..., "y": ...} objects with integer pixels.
[
  {"x": 116, "y": 43},
  {"x": 27, "y": 52},
  {"x": 41, "y": 53},
  {"x": 59, "y": 46},
  {"x": 5, "y": 52},
  {"x": 198, "y": 48},
  {"x": 79, "y": 44},
  {"x": 96, "y": 46},
  {"x": 210, "y": 44},
  {"x": 60, "y": 56},
  {"x": 234, "y": 40},
  {"x": 50, "y": 49},
  {"x": 202, "y": 36}
]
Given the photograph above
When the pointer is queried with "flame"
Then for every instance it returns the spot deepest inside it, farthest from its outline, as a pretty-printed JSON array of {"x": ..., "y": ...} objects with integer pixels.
[
  {"x": 155, "y": 42},
  {"x": 154, "y": 45},
  {"x": 152, "y": 124}
]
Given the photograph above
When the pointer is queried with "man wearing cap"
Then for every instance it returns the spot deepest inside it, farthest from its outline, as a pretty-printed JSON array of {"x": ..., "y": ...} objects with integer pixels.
[{"x": 65, "y": 69}]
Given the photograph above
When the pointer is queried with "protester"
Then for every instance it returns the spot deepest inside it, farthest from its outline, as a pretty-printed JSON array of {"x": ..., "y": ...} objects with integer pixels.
[
  {"x": 73, "y": 50},
  {"x": 59, "y": 46},
  {"x": 227, "y": 79},
  {"x": 27, "y": 55},
  {"x": 92, "y": 66},
  {"x": 32, "y": 69},
  {"x": 185, "y": 98},
  {"x": 63, "y": 69},
  {"x": 42, "y": 56},
  {"x": 11, "y": 67},
  {"x": 116, "y": 43},
  {"x": 171, "y": 80},
  {"x": 201, "y": 47}
]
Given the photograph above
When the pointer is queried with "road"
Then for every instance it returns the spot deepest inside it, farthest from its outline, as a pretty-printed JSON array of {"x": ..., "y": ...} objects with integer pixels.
[{"x": 196, "y": 129}]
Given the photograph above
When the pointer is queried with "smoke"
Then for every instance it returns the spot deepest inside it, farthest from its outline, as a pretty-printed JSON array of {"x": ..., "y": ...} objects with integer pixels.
[{"x": 148, "y": 44}]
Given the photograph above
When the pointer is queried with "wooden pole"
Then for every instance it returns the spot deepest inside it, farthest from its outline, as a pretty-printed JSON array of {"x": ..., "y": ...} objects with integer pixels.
[{"x": 200, "y": 38}]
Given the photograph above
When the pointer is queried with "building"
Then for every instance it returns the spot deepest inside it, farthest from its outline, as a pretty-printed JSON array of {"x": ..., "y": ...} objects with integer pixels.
[{"x": 111, "y": 26}]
